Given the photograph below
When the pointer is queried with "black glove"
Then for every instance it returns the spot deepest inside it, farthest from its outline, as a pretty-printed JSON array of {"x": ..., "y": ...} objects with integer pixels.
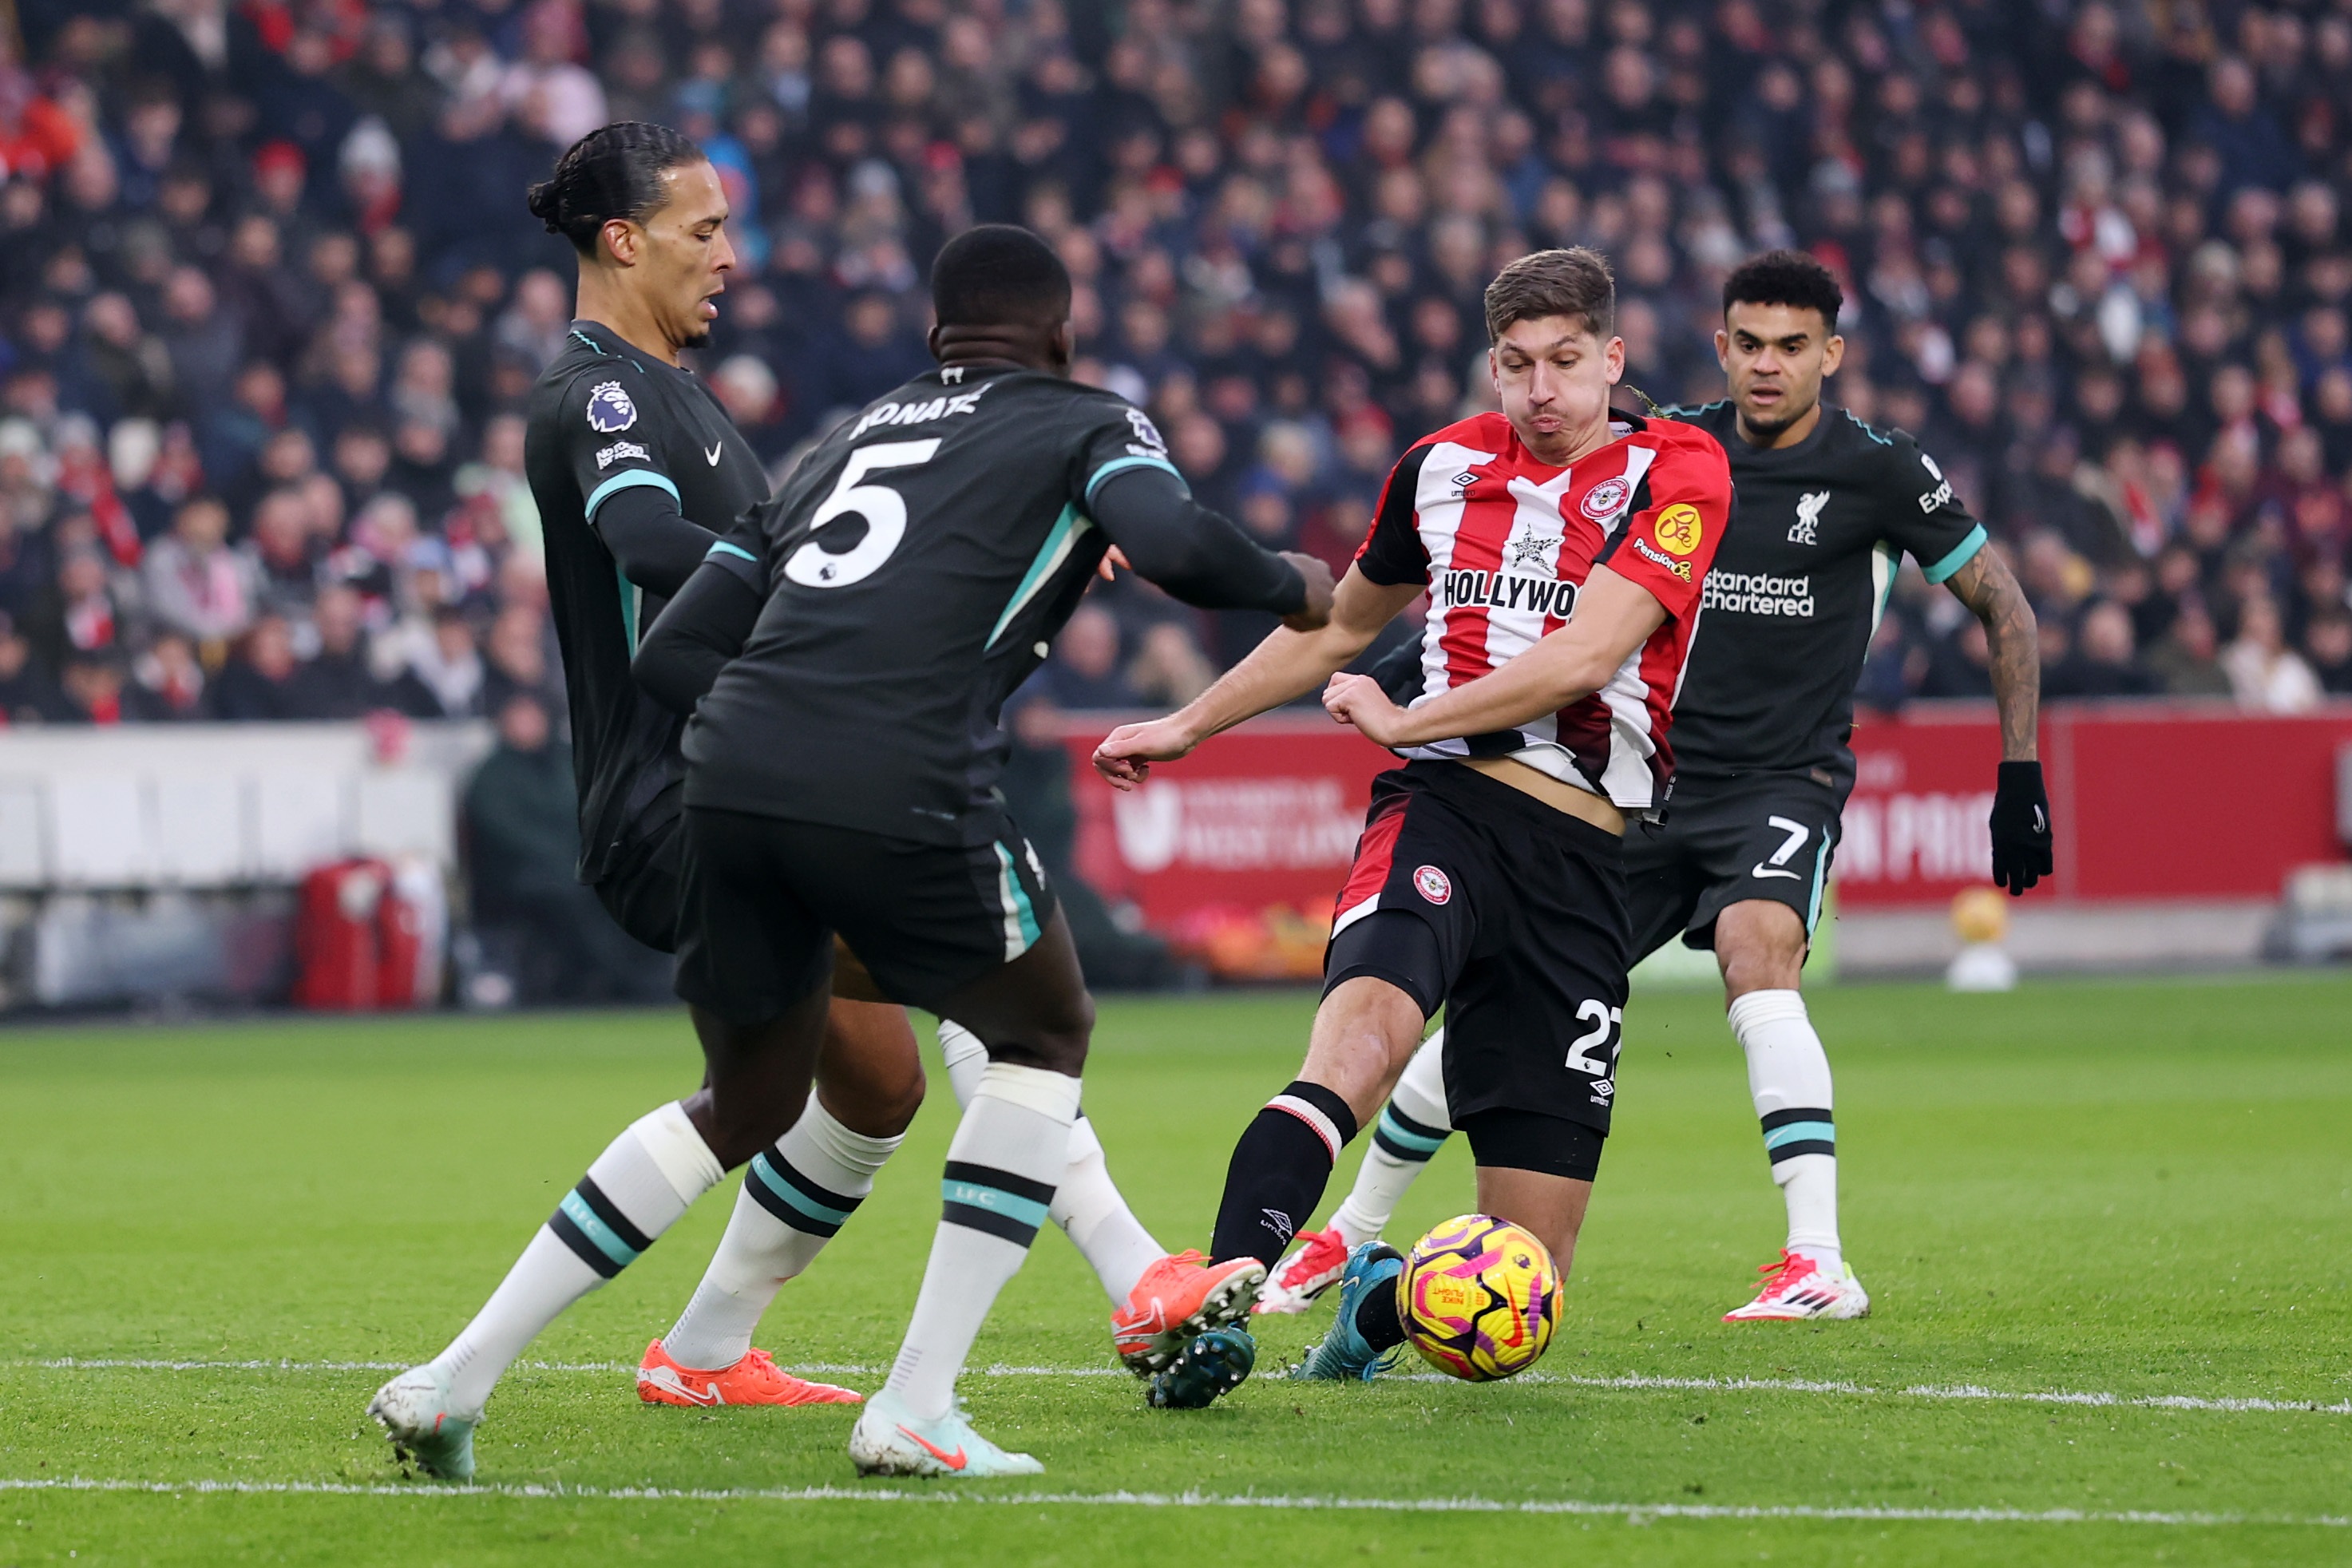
[{"x": 2021, "y": 827}]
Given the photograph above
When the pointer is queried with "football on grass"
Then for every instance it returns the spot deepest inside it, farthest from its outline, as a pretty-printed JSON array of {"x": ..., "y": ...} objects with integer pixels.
[{"x": 1479, "y": 1298}]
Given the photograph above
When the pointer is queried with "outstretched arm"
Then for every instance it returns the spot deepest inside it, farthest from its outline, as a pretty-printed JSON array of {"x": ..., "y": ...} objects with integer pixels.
[
  {"x": 1199, "y": 555},
  {"x": 1613, "y": 617},
  {"x": 1288, "y": 665}
]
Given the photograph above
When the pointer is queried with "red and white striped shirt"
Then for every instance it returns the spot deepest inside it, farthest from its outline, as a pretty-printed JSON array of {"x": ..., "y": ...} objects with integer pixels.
[{"x": 1503, "y": 543}]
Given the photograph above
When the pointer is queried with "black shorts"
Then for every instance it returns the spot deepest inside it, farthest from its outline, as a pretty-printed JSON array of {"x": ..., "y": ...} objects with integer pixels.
[
  {"x": 1510, "y": 914},
  {"x": 641, "y": 888},
  {"x": 1766, "y": 835},
  {"x": 761, "y": 899}
]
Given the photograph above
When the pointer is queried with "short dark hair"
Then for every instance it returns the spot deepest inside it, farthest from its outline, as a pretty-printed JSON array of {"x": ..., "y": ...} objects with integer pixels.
[
  {"x": 1785, "y": 277},
  {"x": 1574, "y": 282},
  {"x": 999, "y": 274},
  {"x": 614, "y": 170}
]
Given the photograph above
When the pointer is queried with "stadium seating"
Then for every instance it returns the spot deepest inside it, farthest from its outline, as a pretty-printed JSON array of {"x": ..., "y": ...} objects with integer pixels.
[{"x": 275, "y": 253}]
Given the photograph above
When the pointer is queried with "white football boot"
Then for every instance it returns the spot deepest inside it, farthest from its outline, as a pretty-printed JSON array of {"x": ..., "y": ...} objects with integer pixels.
[
  {"x": 426, "y": 1427},
  {"x": 889, "y": 1441},
  {"x": 1313, "y": 1266},
  {"x": 1796, "y": 1287}
]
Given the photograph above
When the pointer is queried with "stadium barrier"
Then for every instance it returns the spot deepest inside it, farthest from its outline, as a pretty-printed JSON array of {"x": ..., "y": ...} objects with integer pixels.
[
  {"x": 2190, "y": 815},
  {"x": 141, "y": 864}
]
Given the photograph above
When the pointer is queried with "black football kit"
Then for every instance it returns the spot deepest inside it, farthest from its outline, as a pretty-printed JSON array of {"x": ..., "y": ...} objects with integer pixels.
[
  {"x": 841, "y": 767},
  {"x": 636, "y": 469},
  {"x": 1761, "y": 726}
]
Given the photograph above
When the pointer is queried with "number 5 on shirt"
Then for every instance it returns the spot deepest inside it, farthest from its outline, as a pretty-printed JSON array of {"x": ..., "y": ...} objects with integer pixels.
[{"x": 884, "y": 512}]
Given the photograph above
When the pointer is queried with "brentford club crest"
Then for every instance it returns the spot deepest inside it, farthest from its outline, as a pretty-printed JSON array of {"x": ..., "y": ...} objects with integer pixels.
[
  {"x": 1606, "y": 499},
  {"x": 1431, "y": 883}
]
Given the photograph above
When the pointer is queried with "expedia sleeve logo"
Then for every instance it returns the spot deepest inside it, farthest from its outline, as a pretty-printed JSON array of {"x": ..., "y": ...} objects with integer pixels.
[
  {"x": 1678, "y": 529},
  {"x": 1942, "y": 493}
]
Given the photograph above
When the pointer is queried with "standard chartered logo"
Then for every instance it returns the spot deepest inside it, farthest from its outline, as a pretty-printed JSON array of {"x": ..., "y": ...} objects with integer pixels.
[{"x": 1758, "y": 593}]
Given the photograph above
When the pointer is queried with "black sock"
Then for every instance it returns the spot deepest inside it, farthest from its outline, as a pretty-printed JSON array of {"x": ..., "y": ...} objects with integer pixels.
[
  {"x": 1279, "y": 1172},
  {"x": 1377, "y": 1318}
]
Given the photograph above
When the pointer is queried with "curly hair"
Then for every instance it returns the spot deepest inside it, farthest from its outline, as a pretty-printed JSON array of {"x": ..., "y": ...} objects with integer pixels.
[{"x": 1786, "y": 277}]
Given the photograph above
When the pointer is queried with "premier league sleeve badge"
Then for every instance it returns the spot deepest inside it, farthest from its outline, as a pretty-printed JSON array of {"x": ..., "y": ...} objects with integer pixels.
[{"x": 610, "y": 408}]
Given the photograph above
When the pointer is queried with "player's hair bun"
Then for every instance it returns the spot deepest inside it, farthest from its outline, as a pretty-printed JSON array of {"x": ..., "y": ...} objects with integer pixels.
[
  {"x": 545, "y": 205},
  {"x": 612, "y": 171}
]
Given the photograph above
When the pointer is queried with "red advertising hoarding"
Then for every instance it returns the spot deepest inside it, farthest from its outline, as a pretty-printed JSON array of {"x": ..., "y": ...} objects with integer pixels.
[
  {"x": 2188, "y": 802},
  {"x": 1266, "y": 814}
]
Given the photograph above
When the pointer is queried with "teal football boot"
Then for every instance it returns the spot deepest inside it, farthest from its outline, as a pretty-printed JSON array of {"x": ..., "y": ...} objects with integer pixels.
[
  {"x": 1212, "y": 1366},
  {"x": 1343, "y": 1355}
]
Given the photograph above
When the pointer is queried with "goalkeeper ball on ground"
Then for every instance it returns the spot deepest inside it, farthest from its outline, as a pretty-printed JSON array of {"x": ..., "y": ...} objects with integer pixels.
[{"x": 1479, "y": 1298}]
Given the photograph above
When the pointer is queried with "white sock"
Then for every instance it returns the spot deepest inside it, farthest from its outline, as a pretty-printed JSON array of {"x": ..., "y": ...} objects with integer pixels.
[
  {"x": 966, "y": 1058},
  {"x": 1011, "y": 1146},
  {"x": 1789, "y": 1076},
  {"x": 636, "y": 1189},
  {"x": 1088, "y": 1204},
  {"x": 795, "y": 1197},
  {"x": 1412, "y": 1127},
  {"x": 1091, "y": 1210}
]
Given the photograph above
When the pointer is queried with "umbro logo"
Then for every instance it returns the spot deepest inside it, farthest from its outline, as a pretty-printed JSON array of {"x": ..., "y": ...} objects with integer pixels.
[
  {"x": 1465, "y": 480},
  {"x": 1280, "y": 1224}
]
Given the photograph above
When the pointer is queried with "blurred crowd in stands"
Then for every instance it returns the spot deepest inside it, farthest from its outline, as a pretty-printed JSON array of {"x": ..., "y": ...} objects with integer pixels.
[{"x": 270, "y": 301}]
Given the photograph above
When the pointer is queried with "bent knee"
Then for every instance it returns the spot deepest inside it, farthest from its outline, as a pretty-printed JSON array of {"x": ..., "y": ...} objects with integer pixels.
[
  {"x": 1760, "y": 945},
  {"x": 904, "y": 1099},
  {"x": 1058, "y": 1050},
  {"x": 1059, "y": 1041}
]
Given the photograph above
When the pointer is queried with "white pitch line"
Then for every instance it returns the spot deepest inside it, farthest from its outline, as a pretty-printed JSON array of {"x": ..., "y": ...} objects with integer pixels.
[
  {"x": 1628, "y": 1510},
  {"x": 2152, "y": 1402},
  {"x": 1629, "y": 1381},
  {"x": 1962, "y": 1390}
]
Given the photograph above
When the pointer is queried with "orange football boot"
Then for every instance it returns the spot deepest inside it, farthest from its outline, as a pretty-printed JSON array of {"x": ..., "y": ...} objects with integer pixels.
[
  {"x": 1179, "y": 1298},
  {"x": 754, "y": 1379}
]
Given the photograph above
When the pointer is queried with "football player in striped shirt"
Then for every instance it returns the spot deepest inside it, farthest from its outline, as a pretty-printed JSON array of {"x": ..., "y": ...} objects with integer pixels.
[
  {"x": 1828, "y": 507},
  {"x": 1564, "y": 547}
]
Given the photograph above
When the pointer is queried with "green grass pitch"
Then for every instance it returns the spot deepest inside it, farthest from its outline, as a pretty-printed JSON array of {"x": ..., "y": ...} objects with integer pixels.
[{"x": 2127, "y": 1192}]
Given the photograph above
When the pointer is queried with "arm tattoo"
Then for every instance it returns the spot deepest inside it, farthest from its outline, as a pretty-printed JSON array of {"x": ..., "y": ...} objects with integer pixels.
[{"x": 1987, "y": 586}]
